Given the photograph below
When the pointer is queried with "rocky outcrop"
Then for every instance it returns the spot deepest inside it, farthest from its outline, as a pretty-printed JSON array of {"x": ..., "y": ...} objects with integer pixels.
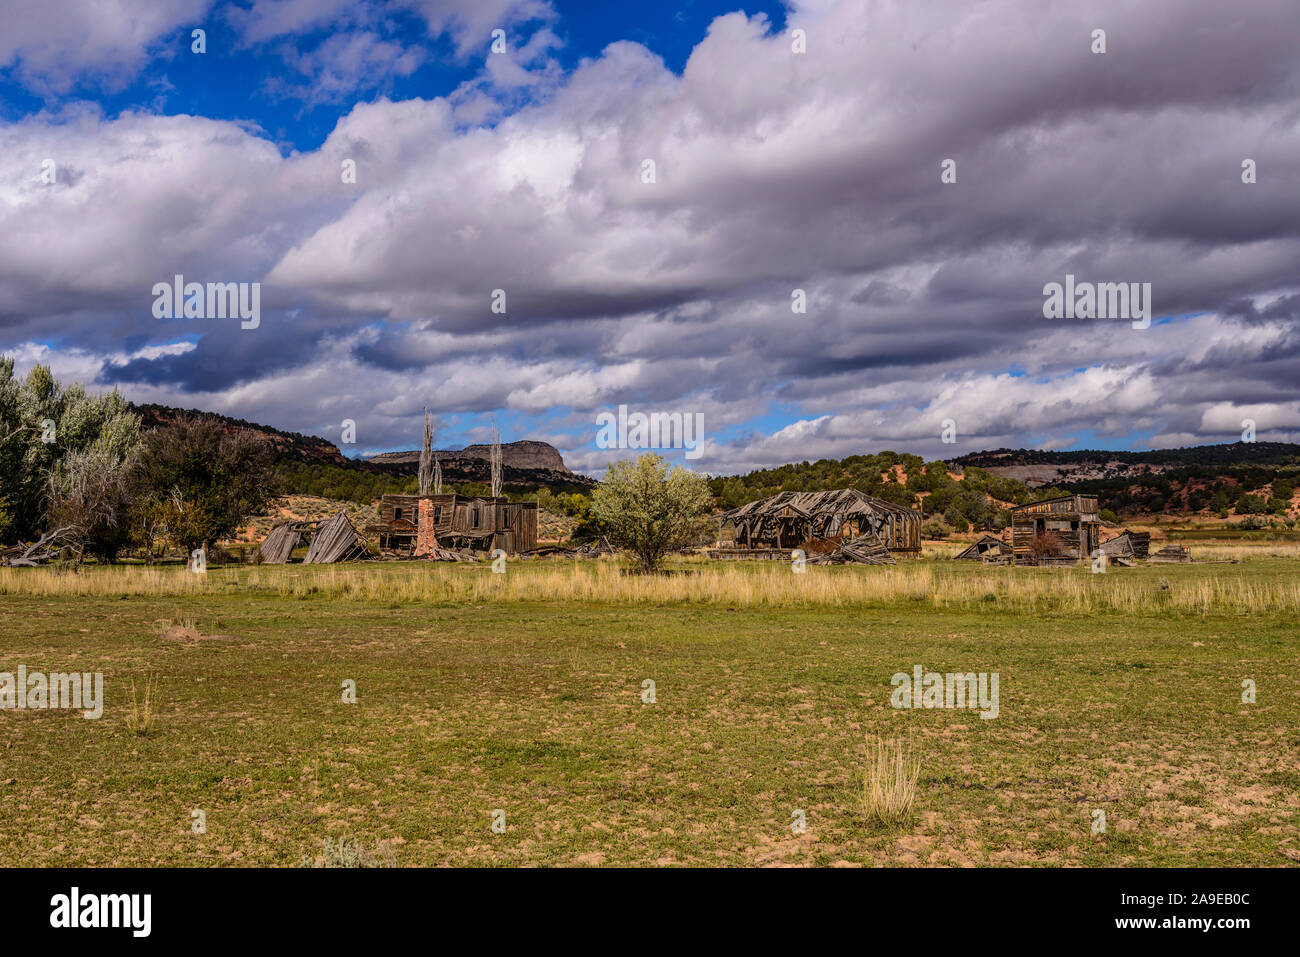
[
  {"x": 524, "y": 463},
  {"x": 524, "y": 454}
]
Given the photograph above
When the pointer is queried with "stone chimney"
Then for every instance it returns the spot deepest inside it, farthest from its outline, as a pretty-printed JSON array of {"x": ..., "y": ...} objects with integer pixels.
[{"x": 425, "y": 539}]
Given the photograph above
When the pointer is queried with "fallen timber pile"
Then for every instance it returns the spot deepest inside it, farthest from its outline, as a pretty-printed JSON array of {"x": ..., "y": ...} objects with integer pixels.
[
  {"x": 989, "y": 549},
  {"x": 440, "y": 554},
  {"x": 590, "y": 550},
  {"x": 45, "y": 549},
  {"x": 865, "y": 549}
]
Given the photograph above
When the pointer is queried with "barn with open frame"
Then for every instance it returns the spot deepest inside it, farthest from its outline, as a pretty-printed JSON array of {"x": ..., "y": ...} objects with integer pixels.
[{"x": 771, "y": 527}]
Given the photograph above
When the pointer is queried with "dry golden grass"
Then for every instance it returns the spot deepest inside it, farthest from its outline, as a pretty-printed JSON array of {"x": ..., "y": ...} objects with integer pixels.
[
  {"x": 1236, "y": 552},
  {"x": 889, "y": 784},
  {"x": 1251, "y": 588},
  {"x": 143, "y": 716}
]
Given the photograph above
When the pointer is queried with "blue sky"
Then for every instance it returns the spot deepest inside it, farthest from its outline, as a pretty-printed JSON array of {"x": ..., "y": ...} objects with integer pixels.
[
  {"x": 785, "y": 162},
  {"x": 245, "y": 82}
]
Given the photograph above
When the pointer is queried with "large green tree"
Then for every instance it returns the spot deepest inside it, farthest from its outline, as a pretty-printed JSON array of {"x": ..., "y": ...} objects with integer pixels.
[
  {"x": 201, "y": 479},
  {"x": 650, "y": 509},
  {"x": 44, "y": 430}
]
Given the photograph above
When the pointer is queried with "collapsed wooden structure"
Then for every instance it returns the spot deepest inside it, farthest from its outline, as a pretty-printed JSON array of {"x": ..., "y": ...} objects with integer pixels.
[
  {"x": 989, "y": 549},
  {"x": 335, "y": 540},
  {"x": 1128, "y": 545},
  {"x": 843, "y": 525},
  {"x": 1124, "y": 549},
  {"x": 1055, "y": 531},
  {"x": 426, "y": 525},
  {"x": 331, "y": 540}
]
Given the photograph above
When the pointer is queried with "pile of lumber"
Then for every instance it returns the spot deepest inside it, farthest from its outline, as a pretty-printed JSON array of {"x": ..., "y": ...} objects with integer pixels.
[
  {"x": 440, "y": 554},
  {"x": 1171, "y": 553},
  {"x": 336, "y": 540},
  {"x": 865, "y": 549},
  {"x": 589, "y": 550}
]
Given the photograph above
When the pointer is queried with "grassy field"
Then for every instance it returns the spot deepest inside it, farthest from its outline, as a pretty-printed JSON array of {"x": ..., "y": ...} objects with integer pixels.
[{"x": 1120, "y": 693}]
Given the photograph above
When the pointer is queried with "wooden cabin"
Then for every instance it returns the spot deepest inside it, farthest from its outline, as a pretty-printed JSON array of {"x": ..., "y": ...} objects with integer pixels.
[
  {"x": 1073, "y": 520},
  {"x": 478, "y": 523},
  {"x": 771, "y": 527}
]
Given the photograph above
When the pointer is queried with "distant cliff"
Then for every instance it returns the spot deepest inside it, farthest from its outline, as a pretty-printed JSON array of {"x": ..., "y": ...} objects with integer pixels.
[
  {"x": 524, "y": 454},
  {"x": 524, "y": 463}
]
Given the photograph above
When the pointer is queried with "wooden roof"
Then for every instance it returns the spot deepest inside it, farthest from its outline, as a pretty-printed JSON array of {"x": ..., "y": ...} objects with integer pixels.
[
  {"x": 985, "y": 542},
  {"x": 842, "y": 502}
]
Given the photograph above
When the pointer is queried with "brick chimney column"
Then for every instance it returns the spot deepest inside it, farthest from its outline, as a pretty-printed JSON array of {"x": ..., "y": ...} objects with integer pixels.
[{"x": 425, "y": 539}]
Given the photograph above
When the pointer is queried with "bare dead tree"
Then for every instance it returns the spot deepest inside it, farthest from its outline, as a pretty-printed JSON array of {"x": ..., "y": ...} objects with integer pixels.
[
  {"x": 89, "y": 492},
  {"x": 496, "y": 460},
  {"x": 437, "y": 476},
  {"x": 426, "y": 455}
]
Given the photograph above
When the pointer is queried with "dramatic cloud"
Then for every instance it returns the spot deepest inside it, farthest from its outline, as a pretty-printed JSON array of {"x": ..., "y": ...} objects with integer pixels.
[
  {"x": 774, "y": 171},
  {"x": 53, "y": 44}
]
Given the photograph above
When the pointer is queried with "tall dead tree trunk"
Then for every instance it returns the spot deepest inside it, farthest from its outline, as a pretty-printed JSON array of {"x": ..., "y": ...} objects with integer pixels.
[
  {"x": 426, "y": 455},
  {"x": 496, "y": 460}
]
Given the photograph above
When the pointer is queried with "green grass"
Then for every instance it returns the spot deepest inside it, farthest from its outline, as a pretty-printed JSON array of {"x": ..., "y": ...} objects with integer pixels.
[{"x": 535, "y": 707}]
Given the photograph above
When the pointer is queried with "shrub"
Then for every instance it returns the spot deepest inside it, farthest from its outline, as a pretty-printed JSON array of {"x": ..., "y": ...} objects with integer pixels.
[
  {"x": 142, "y": 718},
  {"x": 889, "y": 784},
  {"x": 934, "y": 529},
  {"x": 1047, "y": 545}
]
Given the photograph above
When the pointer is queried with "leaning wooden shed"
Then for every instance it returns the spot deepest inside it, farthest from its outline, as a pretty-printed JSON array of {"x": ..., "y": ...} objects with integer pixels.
[
  {"x": 281, "y": 542},
  {"x": 335, "y": 540},
  {"x": 1141, "y": 542},
  {"x": 1128, "y": 544}
]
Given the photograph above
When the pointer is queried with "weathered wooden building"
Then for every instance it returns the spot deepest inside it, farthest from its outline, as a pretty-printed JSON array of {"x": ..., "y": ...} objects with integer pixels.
[
  {"x": 771, "y": 527},
  {"x": 412, "y": 524},
  {"x": 1055, "y": 531}
]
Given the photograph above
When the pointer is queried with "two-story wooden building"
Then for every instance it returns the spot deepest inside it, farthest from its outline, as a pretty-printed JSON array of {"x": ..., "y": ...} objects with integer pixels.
[{"x": 412, "y": 524}]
